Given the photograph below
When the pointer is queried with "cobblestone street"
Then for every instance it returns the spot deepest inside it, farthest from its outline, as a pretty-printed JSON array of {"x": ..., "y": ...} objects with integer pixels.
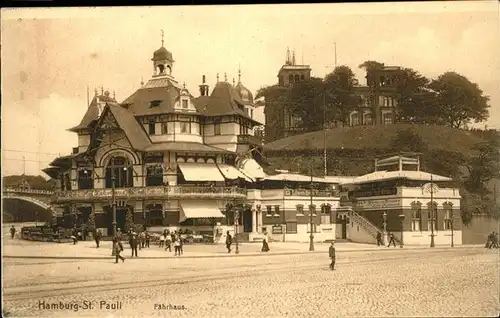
[{"x": 460, "y": 282}]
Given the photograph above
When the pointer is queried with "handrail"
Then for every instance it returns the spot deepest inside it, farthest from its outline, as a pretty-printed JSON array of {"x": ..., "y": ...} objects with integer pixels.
[{"x": 368, "y": 226}]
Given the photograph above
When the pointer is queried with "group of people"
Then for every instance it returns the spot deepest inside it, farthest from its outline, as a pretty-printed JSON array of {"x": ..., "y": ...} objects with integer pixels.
[
  {"x": 167, "y": 239},
  {"x": 381, "y": 242},
  {"x": 492, "y": 240},
  {"x": 229, "y": 242}
]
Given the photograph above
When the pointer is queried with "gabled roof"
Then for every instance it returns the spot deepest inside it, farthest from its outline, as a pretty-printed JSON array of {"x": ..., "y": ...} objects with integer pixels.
[
  {"x": 92, "y": 112},
  {"x": 139, "y": 103},
  {"x": 130, "y": 126},
  {"x": 224, "y": 100}
]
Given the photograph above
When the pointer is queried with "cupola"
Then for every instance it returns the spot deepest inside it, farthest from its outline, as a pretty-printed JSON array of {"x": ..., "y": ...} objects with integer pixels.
[
  {"x": 244, "y": 93},
  {"x": 162, "y": 60}
]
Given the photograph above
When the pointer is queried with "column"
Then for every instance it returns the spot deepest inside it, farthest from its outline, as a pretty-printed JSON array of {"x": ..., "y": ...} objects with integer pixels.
[{"x": 254, "y": 221}]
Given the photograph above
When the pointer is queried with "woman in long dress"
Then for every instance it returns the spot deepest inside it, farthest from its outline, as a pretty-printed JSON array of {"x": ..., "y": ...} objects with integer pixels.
[{"x": 265, "y": 244}]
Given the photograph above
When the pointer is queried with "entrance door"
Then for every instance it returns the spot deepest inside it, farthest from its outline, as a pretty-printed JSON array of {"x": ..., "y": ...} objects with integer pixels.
[
  {"x": 344, "y": 228},
  {"x": 247, "y": 221},
  {"x": 121, "y": 215}
]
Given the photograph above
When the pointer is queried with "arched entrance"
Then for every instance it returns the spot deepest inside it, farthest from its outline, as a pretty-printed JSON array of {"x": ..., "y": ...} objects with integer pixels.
[
  {"x": 120, "y": 168},
  {"x": 121, "y": 216}
]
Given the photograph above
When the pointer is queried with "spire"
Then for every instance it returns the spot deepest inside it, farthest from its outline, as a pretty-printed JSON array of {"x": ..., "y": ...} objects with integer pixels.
[
  {"x": 239, "y": 74},
  {"x": 287, "y": 62},
  {"x": 114, "y": 95},
  {"x": 162, "y": 34},
  {"x": 217, "y": 77},
  {"x": 225, "y": 77},
  {"x": 102, "y": 90},
  {"x": 234, "y": 83},
  {"x": 184, "y": 85},
  {"x": 293, "y": 58},
  {"x": 142, "y": 81}
]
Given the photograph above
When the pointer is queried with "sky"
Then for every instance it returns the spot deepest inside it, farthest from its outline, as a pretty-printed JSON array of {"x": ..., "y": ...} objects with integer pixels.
[{"x": 50, "y": 56}]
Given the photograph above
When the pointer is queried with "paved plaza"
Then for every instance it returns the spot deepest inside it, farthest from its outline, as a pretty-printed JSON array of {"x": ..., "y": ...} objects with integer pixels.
[{"x": 393, "y": 282}]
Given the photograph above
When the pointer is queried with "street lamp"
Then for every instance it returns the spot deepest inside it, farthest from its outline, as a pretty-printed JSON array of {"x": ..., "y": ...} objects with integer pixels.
[
  {"x": 432, "y": 224},
  {"x": 311, "y": 236},
  {"x": 384, "y": 216},
  {"x": 451, "y": 215},
  {"x": 236, "y": 223},
  {"x": 401, "y": 217}
]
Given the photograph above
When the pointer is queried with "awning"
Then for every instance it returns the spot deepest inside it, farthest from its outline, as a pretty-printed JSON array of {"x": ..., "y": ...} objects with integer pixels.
[
  {"x": 252, "y": 169},
  {"x": 232, "y": 173},
  {"x": 201, "y": 172},
  {"x": 194, "y": 209}
]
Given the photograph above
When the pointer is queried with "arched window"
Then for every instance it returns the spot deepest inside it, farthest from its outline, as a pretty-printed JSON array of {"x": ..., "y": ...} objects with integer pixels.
[
  {"x": 290, "y": 78},
  {"x": 355, "y": 119},
  {"x": 121, "y": 170},
  {"x": 368, "y": 119},
  {"x": 169, "y": 70},
  {"x": 297, "y": 78},
  {"x": 161, "y": 68},
  {"x": 416, "y": 217}
]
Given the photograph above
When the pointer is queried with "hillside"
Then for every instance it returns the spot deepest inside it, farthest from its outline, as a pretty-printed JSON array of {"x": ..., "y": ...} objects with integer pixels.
[
  {"x": 351, "y": 150},
  {"x": 376, "y": 137}
]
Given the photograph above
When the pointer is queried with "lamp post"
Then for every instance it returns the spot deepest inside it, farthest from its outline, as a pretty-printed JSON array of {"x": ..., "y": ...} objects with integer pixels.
[
  {"x": 236, "y": 223},
  {"x": 451, "y": 215},
  {"x": 311, "y": 236},
  {"x": 432, "y": 213},
  {"x": 384, "y": 216},
  {"x": 401, "y": 217}
]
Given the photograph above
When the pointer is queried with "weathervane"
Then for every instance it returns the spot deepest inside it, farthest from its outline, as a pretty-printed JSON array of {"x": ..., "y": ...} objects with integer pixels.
[
  {"x": 162, "y": 34},
  {"x": 239, "y": 73}
]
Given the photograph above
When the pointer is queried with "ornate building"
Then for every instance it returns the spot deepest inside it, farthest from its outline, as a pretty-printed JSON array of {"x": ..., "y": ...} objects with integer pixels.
[{"x": 379, "y": 100}]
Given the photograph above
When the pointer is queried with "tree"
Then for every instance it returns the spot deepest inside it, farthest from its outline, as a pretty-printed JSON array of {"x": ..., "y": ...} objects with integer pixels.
[
  {"x": 304, "y": 100},
  {"x": 275, "y": 100},
  {"x": 407, "y": 140},
  {"x": 459, "y": 101},
  {"x": 416, "y": 102},
  {"x": 129, "y": 221},
  {"x": 341, "y": 97},
  {"x": 483, "y": 167}
]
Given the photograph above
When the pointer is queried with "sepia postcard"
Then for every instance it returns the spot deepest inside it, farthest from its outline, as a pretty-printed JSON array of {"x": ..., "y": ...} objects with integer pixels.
[{"x": 303, "y": 160}]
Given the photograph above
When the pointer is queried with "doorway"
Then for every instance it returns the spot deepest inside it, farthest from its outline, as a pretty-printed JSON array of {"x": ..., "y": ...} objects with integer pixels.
[
  {"x": 121, "y": 216},
  {"x": 247, "y": 221}
]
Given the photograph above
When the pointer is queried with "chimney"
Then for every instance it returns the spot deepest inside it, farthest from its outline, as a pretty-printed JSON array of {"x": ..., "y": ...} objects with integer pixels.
[{"x": 203, "y": 87}]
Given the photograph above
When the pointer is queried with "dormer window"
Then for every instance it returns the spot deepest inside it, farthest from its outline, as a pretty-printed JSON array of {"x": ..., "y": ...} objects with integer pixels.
[
  {"x": 184, "y": 104},
  {"x": 155, "y": 103}
]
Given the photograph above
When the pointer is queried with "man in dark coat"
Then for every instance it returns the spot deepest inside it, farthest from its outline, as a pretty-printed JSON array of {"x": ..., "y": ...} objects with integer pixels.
[
  {"x": 134, "y": 244},
  {"x": 12, "y": 231},
  {"x": 97, "y": 237},
  {"x": 229, "y": 241},
  {"x": 331, "y": 254},
  {"x": 148, "y": 238},
  {"x": 379, "y": 239},
  {"x": 391, "y": 240},
  {"x": 118, "y": 248}
]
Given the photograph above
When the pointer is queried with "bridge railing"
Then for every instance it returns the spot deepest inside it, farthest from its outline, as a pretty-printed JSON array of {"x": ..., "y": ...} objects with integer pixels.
[{"x": 28, "y": 191}]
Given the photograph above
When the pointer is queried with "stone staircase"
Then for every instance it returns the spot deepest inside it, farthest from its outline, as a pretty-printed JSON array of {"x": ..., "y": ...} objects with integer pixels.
[{"x": 368, "y": 226}]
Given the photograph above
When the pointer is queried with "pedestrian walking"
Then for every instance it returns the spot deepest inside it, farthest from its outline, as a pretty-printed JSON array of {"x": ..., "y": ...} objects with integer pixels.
[
  {"x": 12, "y": 232},
  {"x": 168, "y": 243},
  {"x": 391, "y": 240},
  {"x": 229, "y": 241},
  {"x": 148, "y": 238},
  {"x": 119, "y": 234},
  {"x": 97, "y": 237},
  {"x": 181, "y": 245},
  {"x": 74, "y": 235},
  {"x": 265, "y": 243},
  {"x": 379, "y": 239},
  {"x": 134, "y": 243},
  {"x": 162, "y": 240},
  {"x": 142, "y": 238},
  {"x": 118, "y": 248},
  {"x": 177, "y": 247},
  {"x": 494, "y": 239},
  {"x": 331, "y": 254}
]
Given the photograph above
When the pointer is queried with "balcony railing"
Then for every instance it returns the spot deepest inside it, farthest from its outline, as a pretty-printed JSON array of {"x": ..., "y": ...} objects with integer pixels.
[
  {"x": 249, "y": 139},
  {"x": 307, "y": 193},
  {"x": 161, "y": 192}
]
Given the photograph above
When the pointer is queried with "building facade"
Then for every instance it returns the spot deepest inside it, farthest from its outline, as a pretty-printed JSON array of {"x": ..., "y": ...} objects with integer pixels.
[
  {"x": 398, "y": 198},
  {"x": 174, "y": 161},
  {"x": 379, "y": 100}
]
